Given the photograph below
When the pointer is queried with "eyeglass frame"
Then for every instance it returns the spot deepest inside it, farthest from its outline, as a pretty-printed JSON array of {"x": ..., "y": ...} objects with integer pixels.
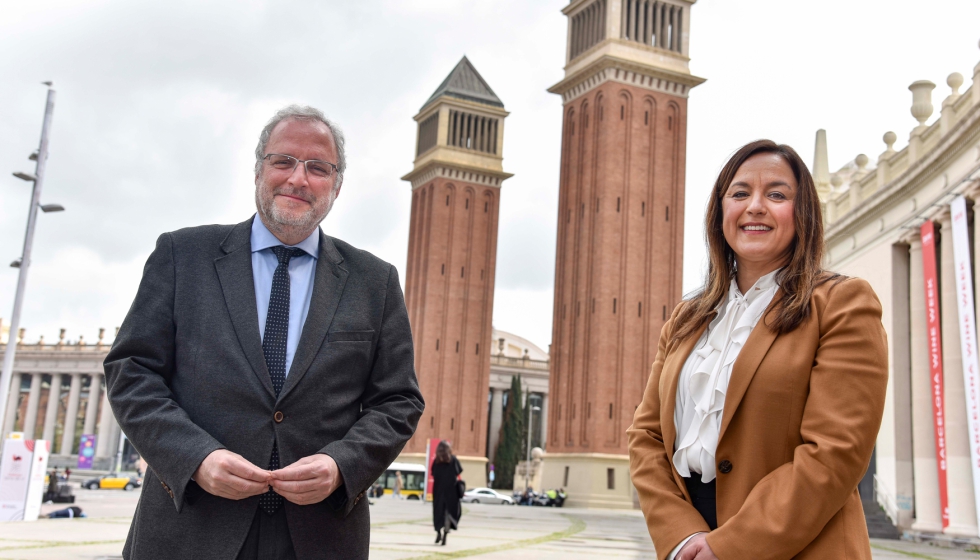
[{"x": 336, "y": 170}]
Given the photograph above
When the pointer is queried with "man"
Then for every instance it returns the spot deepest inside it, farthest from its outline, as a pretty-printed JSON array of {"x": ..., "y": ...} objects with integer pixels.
[{"x": 265, "y": 371}]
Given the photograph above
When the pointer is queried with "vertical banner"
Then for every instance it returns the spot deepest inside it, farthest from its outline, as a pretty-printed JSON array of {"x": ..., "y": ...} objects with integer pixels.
[
  {"x": 22, "y": 471},
  {"x": 86, "y": 451},
  {"x": 968, "y": 334},
  {"x": 935, "y": 358},
  {"x": 40, "y": 451}
]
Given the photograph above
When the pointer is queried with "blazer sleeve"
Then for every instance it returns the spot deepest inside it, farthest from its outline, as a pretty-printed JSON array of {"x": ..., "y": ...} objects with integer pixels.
[
  {"x": 670, "y": 517},
  {"x": 138, "y": 370},
  {"x": 840, "y": 424},
  {"x": 390, "y": 406}
]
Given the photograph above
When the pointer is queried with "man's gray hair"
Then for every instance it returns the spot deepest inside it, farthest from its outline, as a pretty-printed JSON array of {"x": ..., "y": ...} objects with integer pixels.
[{"x": 301, "y": 112}]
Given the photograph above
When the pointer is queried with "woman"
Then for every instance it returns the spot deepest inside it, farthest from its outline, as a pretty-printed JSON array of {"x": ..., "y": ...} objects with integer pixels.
[
  {"x": 446, "y": 509},
  {"x": 764, "y": 401}
]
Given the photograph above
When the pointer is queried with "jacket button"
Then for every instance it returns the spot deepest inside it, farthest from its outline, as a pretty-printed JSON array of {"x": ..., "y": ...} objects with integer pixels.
[
  {"x": 725, "y": 467},
  {"x": 277, "y": 416}
]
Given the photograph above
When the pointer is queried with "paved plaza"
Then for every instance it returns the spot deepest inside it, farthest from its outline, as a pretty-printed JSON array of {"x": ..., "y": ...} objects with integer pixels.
[{"x": 403, "y": 530}]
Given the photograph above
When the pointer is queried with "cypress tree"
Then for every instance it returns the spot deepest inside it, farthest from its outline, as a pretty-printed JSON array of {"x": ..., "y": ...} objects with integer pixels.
[{"x": 511, "y": 436}]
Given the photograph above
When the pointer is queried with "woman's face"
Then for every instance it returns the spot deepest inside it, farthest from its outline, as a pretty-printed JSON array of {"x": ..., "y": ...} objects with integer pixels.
[{"x": 757, "y": 211}]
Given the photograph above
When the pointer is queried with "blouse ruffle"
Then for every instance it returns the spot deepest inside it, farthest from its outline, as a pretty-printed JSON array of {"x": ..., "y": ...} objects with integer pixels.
[{"x": 706, "y": 375}]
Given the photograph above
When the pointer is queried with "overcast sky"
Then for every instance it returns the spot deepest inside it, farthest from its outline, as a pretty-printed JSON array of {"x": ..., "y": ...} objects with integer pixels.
[{"x": 160, "y": 104}]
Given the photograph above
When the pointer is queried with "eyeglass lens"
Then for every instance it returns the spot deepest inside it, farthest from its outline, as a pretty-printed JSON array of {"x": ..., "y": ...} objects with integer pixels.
[{"x": 314, "y": 167}]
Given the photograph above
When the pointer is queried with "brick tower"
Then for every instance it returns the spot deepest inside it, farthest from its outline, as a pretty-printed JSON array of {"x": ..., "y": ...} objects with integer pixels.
[
  {"x": 620, "y": 232},
  {"x": 452, "y": 251}
]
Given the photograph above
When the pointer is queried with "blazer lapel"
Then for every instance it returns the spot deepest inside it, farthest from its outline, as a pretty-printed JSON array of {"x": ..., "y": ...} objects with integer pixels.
[
  {"x": 746, "y": 364},
  {"x": 235, "y": 275},
  {"x": 328, "y": 287},
  {"x": 670, "y": 376}
]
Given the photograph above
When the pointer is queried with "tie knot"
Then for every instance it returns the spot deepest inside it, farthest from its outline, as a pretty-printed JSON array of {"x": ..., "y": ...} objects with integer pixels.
[{"x": 284, "y": 253}]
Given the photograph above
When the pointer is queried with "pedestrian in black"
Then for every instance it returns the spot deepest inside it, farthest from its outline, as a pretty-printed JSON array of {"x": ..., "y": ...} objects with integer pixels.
[{"x": 446, "y": 509}]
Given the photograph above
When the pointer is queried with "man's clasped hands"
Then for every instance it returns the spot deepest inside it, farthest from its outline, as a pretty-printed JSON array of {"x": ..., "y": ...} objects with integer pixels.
[{"x": 307, "y": 481}]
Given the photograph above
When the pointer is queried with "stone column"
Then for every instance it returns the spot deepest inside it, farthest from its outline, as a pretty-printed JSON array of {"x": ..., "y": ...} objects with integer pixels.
[
  {"x": 544, "y": 420},
  {"x": 51, "y": 414},
  {"x": 92, "y": 407},
  {"x": 496, "y": 418},
  {"x": 30, "y": 417},
  {"x": 928, "y": 517},
  {"x": 10, "y": 422},
  {"x": 962, "y": 508},
  {"x": 105, "y": 446},
  {"x": 71, "y": 416}
]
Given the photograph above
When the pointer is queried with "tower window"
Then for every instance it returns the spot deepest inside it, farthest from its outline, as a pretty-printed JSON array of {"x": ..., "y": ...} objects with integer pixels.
[
  {"x": 646, "y": 118},
  {"x": 670, "y": 123},
  {"x": 611, "y": 479},
  {"x": 593, "y": 305},
  {"x": 443, "y": 269},
  {"x": 618, "y": 199},
  {"x": 566, "y": 476},
  {"x": 477, "y": 349},
  {"x": 614, "y": 305},
  {"x": 486, "y": 206},
  {"x": 437, "y": 345},
  {"x": 665, "y": 313},
  {"x": 452, "y": 423},
  {"x": 643, "y": 209},
  {"x": 457, "y": 347},
  {"x": 428, "y": 130},
  {"x": 639, "y": 309},
  {"x": 432, "y": 421},
  {"x": 622, "y": 112},
  {"x": 461, "y": 271},
  {"x": 472, "y": 422},
  {"x": 467, "y": 205},
  {"x": 447, "y": 200},
  {"x": 667, "y": 215},
  {"x": 610, "y": 410}
]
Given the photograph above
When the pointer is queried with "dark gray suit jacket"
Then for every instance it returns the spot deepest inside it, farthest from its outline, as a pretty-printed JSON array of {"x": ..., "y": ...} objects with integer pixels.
[{"x": 186, "y": 376}]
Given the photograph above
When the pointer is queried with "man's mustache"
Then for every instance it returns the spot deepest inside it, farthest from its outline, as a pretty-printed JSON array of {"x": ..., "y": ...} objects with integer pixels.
[{"x": 296, "y": 193}]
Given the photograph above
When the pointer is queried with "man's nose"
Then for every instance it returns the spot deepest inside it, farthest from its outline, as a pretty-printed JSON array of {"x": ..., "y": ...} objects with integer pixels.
[{"x": 299, "y": 177}]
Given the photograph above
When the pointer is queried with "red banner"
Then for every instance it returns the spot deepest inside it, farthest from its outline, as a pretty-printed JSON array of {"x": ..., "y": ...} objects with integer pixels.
[{"x": 935, "y": 358}]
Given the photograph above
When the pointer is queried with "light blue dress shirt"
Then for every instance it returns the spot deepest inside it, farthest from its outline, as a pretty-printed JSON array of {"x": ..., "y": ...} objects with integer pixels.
[{"x": 302, "y": 269}]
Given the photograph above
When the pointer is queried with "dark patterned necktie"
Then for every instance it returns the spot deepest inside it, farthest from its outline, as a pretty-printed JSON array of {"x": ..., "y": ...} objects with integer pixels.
[{"x": 274, "y": 348}]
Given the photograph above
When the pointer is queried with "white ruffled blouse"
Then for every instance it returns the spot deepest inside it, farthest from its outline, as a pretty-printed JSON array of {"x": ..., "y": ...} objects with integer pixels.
[{"x": 703, "y": 381}]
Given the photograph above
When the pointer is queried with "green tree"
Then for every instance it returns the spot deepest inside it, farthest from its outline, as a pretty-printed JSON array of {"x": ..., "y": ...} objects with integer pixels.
[{"x": 511, "y": 437}]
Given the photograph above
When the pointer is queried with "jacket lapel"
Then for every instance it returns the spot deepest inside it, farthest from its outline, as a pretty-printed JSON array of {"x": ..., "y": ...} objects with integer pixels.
[
  {"x": 328, "y": 287},
  {"x": 670, "y": 376},
  {"x": 237, "y": 284},
  {"x": 746, "y": 364}
]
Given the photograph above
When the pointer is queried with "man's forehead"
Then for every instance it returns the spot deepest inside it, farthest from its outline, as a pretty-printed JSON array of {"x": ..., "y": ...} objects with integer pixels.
[{"x": 303, "y": 130}]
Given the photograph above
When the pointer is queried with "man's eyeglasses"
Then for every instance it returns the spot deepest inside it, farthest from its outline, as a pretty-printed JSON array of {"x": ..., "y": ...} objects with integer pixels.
[{"x": 314, "y": 167}]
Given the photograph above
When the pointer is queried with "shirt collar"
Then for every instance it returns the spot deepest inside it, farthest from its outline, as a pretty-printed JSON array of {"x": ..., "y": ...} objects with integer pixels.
[
  {"x": 262, "y": 238},
  {"x": 762, "y": 285}
]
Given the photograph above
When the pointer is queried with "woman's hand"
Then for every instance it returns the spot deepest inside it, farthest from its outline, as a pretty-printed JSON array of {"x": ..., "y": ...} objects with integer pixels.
[{"x": 696, "y": 549}]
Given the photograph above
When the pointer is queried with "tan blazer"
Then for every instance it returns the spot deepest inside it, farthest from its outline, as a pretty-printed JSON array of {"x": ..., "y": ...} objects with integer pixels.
[{"x": 801, "y": 416}]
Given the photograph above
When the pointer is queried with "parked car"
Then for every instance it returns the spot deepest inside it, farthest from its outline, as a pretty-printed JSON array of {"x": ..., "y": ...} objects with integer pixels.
[
  {"x": 113, "y": 480},
  {"x": 486, "y": 496}
]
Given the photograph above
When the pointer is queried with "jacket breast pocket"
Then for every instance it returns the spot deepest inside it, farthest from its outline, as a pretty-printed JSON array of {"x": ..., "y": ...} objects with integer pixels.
[{"x": 350, "y": 336}]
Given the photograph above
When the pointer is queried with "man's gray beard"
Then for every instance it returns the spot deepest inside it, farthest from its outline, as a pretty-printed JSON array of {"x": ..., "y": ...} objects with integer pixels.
[{"x": 279, "y": 223}]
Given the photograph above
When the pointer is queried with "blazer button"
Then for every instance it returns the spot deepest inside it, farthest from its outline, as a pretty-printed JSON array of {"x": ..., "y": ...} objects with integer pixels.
[
  {"x": 277, "y": 416},
  {"x": 725, "y": 467}
]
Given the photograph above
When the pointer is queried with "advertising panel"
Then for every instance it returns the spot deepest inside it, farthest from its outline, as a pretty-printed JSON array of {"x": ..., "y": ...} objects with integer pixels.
[
  {"x": 22, "y": 469},
  {"x": 935, "y": 358},
  {"x": 968, "y": 334},
  {"x": 86, "y": 451}
]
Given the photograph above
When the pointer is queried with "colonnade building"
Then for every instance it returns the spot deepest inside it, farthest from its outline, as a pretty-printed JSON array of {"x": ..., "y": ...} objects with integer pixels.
[
  {"x": 57, "y": 394},
  {"x": 908, "y": 224}
]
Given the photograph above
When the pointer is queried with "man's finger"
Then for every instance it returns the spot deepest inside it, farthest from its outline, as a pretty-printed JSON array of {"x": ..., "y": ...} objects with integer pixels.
[
  {"x": 242, "y": 468},
  {"x": 296, "y": 471},
  {"x": 309, "y": 485}
]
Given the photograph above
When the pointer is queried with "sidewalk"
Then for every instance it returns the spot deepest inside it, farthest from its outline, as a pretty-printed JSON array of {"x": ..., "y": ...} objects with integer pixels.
[{"x": 402, "y": 530}]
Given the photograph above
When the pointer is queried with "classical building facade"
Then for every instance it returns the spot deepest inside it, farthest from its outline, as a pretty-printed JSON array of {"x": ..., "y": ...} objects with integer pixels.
[
  {"x": 57, "y": 394},
  {"x": 875, "y": 216},
  {"x": 620, "y": 231},
  {"x": 452, "y": 253},
  {"x": 515, "y": 355}
]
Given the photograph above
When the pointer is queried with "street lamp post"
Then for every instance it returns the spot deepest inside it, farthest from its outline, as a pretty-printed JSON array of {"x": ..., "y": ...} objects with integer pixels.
[
  {"x": 527, "y": 466},
  {"x": 24, "y": 263}
]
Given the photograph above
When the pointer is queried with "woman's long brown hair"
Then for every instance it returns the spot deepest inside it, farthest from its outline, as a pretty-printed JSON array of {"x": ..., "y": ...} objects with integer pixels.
[
  {"x": 797, "y": 279},
  {"x": 444, "y": 452}
]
